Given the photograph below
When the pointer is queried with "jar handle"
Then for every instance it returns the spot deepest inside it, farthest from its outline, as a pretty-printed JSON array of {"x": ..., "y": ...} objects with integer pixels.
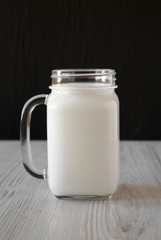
[{"x": 25, "y": 135}]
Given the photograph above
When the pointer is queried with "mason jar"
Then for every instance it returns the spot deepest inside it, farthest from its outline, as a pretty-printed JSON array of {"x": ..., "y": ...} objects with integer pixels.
[{"x": 82, "y": 134}]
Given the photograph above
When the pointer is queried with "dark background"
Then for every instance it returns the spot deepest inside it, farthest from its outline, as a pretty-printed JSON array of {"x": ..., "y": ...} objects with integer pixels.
[{"x": 40, "y": 35}]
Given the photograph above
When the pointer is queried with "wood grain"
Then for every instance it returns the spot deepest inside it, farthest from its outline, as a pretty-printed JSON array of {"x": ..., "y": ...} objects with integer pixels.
[{"x": 29, "y": 211}]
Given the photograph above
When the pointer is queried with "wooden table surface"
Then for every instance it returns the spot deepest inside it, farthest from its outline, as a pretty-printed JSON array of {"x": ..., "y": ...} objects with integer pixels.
[{"x": 28, "y": 211}]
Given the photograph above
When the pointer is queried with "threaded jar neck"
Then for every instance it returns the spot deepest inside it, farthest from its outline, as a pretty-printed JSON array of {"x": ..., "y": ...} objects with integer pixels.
[{"x": 84, "y": 78}]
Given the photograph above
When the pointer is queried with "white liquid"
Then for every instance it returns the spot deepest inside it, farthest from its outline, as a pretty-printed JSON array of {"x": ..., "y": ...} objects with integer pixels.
[{"x": 83, "y": 142}]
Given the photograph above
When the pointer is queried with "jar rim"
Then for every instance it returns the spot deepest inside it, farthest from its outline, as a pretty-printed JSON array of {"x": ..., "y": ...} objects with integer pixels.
[
  {"x": 81, "y": 72},
  {"x": 84, "y": 75}
]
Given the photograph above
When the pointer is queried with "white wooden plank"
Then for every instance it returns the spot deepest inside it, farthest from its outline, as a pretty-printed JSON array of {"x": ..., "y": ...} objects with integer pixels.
[{"x": 29, "y": 211}]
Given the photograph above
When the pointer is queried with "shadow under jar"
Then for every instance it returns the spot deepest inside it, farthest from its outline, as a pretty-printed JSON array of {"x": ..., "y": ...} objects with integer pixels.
[{"x": 82, "y": 134}]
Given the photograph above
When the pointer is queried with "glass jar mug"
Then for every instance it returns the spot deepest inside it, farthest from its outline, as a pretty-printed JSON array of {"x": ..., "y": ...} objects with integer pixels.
[{"x": 82, "y": 134}]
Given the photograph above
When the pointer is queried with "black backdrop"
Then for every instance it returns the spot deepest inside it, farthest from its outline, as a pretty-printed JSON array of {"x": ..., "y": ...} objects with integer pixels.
[{"x": 37, "y": 36}]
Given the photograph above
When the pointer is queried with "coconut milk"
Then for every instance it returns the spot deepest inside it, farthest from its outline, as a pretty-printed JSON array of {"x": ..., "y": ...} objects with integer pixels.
[{"x": 83, "y": 141}]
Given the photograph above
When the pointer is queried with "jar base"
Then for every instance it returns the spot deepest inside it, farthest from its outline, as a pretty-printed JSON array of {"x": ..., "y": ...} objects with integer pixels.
[{"x": 85, "y": 197}]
